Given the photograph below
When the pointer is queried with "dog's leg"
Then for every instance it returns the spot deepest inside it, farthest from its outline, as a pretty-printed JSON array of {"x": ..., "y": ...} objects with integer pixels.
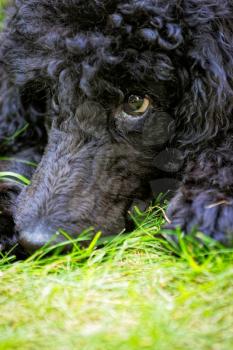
[
  {"x": 11, "y": 120},
  {"x": 20, "y": 144},
  {"x": 23, "y": 163},
  {"x": 204, "y": 201}
]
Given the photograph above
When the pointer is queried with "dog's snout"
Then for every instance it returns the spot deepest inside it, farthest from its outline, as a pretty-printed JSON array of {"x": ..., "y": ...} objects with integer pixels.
[{"x": 35, "y": 238}]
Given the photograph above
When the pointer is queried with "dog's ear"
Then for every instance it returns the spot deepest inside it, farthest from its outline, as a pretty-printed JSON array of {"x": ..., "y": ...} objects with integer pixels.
[{"x": 207, "y": 99}]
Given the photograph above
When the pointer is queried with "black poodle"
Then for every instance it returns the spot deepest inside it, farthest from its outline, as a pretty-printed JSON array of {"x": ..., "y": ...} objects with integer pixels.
[{"x": 108, "y": 96}]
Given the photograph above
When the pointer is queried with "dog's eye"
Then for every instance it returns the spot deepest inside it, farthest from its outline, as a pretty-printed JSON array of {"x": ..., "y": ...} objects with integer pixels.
[{"x": 137, "y": 105}]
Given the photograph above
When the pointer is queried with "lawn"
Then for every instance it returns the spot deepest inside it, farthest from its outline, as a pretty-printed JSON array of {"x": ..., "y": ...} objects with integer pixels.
[{"x": 134, "y": 291}]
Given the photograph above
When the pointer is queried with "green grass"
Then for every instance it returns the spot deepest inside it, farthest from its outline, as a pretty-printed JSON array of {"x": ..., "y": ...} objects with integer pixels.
[
  {"x": 131, "y": 292},
  {"x": 134, "y": 291}
]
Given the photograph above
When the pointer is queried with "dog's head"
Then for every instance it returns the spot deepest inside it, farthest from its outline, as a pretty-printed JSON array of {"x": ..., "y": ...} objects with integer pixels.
[{"x": 120, "y": 76}]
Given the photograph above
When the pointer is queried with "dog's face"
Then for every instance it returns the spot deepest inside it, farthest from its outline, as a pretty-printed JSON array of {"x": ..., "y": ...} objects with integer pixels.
[{"x": 114, "y": 85}]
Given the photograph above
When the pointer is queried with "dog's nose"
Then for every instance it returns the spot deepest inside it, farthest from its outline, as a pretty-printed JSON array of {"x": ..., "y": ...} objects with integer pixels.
[{"x": 34, "y": 239}]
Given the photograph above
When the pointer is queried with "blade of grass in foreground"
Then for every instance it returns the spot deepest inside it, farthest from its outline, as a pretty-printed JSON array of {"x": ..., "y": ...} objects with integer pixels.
[{"x": 11, "y": 176}]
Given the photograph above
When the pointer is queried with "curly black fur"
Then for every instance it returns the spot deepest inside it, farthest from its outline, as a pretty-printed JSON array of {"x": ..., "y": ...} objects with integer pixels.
[{"x": 67, "y": 68}]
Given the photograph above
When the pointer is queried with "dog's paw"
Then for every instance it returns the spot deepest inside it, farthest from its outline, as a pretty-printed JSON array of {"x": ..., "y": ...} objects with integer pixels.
[{"x": 208, "y": 212}]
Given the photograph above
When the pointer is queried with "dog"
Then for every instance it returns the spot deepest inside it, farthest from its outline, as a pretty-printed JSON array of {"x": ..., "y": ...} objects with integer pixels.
[{"x": 107, "y": 97}]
